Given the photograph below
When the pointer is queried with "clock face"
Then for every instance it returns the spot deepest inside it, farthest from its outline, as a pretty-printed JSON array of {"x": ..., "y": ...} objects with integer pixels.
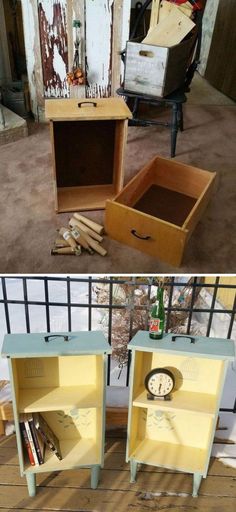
[{"x": 159, "y": 382}]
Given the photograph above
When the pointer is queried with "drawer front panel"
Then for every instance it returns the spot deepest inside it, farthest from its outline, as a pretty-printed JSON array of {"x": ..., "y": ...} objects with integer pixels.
[{"x": 145, "y": 233}]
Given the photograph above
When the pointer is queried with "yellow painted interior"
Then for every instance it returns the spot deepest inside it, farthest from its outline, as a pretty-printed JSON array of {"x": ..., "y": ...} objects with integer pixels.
[
  {"x": 173, "y": 439},
  {"x": 55, "y": 383},
  {"x": 73, "y": 423},
  {"x": 193, "y": 374},
  {"x": 57, "y": 371}
]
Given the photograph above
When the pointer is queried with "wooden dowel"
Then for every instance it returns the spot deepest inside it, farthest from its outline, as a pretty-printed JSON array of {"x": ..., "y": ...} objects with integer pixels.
[
  {"x": 78, "y": 236},
  {"x": 90, "y": 223},
  {"x": 66, "y": 234},
  {"x": 66, "y": 250},
  {"x": 95, "y": 245},
  {"x": 60, "y": 242},
  {"x": 75, "y": 222}
]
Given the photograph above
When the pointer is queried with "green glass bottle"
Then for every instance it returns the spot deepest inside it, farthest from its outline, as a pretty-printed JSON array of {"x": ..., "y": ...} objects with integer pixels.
[{"x": 157, "y": 318}]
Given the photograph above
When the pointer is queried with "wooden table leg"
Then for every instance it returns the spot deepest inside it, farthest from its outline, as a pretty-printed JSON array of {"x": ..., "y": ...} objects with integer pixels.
[
  {"x": 133, "y": 470},
  {"x": 95, "y": 473},
  {"x": 31, "y": 482}
]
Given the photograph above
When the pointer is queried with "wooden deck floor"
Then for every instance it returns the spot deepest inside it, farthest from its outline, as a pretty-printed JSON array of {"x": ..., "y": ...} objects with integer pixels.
[{"x": 155, "y": 489}]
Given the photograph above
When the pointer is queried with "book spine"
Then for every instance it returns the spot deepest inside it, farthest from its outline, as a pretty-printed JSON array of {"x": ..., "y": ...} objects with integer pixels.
[
  {"x": 27, "y": 427},
  {"x": 27, "y": 443},
  {"x": 49, "y": 443},
  {"x": 36, "y": 442}
]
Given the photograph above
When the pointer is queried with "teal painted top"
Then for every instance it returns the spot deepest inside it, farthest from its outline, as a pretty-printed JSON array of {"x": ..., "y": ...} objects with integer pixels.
[
  {"x": 34, "y": 345},
  {"x": 215, "y": 348}
]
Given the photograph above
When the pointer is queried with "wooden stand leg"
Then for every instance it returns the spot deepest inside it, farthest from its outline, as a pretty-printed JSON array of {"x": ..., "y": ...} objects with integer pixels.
[
  {"x": 31, "y": 482},
  {"x": 95, "y": 473},
  {"x": 174, "y": 129},
  {"x": 196, "y": 483},
  {"x": 133, "y": 470}
]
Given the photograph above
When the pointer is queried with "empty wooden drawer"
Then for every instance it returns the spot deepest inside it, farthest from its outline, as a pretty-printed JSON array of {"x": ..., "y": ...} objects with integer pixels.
[
  {"x": 88, "y": 143},
  {"x": 159, "y": 208}
]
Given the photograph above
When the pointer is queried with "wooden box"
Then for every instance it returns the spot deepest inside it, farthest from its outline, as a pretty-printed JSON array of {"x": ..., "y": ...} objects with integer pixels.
[
  {"x": 159, "y": 208},
  {"x": 156, "y": 70},
  {"x": 88, "y": 142}
]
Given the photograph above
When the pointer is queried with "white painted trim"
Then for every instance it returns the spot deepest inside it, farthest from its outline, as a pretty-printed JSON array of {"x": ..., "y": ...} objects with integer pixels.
[{"x": 33, "y": 54}]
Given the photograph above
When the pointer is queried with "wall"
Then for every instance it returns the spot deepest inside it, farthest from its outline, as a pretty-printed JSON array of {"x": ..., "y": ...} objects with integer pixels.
[{"x": 225, "y": 296}]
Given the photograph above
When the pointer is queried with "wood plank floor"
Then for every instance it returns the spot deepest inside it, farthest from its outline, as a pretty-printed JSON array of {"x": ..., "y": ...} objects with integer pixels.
[{"x": 155, "y": 489}]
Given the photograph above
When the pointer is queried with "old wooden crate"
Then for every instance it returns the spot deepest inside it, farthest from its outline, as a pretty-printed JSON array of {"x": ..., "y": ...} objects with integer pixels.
[
  {"x": 157, "y": 70},
  {"x": 158, "y": 209},
  {"x": 88, "y": 143}
]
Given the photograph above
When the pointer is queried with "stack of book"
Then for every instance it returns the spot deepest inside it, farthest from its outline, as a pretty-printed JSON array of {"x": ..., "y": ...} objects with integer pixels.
[{"x": 36, "y": 435}]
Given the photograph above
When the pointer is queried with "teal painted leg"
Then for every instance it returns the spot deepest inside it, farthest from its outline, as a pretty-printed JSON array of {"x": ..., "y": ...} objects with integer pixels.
[
  {"x": 196, "y": 483},
  {"x": 133, "y": 470},
  {"x": 31, "y": 482},
  {"x": 95, "y": 473}
]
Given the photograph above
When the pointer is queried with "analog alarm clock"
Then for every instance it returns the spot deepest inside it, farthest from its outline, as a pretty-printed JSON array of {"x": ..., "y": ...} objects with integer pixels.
[{"x": 159, "y": 383}]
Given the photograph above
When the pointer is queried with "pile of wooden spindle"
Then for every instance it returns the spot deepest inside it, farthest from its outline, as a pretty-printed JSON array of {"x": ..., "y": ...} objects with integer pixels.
[{"x": 82, "y": 234}]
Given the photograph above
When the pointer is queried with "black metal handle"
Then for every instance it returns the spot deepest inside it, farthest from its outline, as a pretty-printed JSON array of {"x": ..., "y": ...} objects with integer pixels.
[
  {"x": 66, "y": 338},
  {"x": 141, "y": 237},
  {"x": 94, "y": 103},
  {"x": 182, "y": 336}
]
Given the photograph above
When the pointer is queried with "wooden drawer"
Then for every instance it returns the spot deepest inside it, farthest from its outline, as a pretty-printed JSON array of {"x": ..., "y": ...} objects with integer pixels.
[
  {"x": 88, "y": 143},
  {"x": 159, "y": 208}
]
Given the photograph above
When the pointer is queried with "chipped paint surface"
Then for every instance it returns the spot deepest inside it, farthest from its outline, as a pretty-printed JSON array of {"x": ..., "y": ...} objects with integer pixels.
[
  {"x": 98, "y": 47},
  {"x": 54, "y": 47},
  {"x": 48, "y": 23}
]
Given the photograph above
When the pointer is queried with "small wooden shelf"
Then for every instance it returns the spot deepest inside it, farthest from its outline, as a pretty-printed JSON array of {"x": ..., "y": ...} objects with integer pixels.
[
  {"x": 75, "y": 453},
  {"x": 54, "y": 398},
  {"x": 200, "y": 403},
  {"x": 170, "y": 455}
]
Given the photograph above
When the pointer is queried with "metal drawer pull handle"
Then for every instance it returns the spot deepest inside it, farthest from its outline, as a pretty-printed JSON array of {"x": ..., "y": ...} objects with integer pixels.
[
  {"x": 46, "y": 338},
  {"x": 142, "y": 237},
  {"x": 94, "y": 103},
  {"x": 182, "y": 336}
]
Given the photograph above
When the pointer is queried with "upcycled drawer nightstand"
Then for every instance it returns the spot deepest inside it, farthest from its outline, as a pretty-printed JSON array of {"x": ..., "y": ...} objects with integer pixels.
[
  {"x": 88, "y": 141},
  {"x": 63, "y": 379},
  {"x": 159, "y": 208},
  {"x": 177, "y": 433}
]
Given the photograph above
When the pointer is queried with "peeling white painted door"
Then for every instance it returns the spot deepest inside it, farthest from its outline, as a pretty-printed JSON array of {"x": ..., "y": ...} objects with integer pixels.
[
  {"x": 98, "y": 47},
  {"x": 54, "y": 47}
]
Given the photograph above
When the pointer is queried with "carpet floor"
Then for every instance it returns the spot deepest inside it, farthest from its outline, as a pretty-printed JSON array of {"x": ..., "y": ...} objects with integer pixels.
[{"x": 28, "y": 221}]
